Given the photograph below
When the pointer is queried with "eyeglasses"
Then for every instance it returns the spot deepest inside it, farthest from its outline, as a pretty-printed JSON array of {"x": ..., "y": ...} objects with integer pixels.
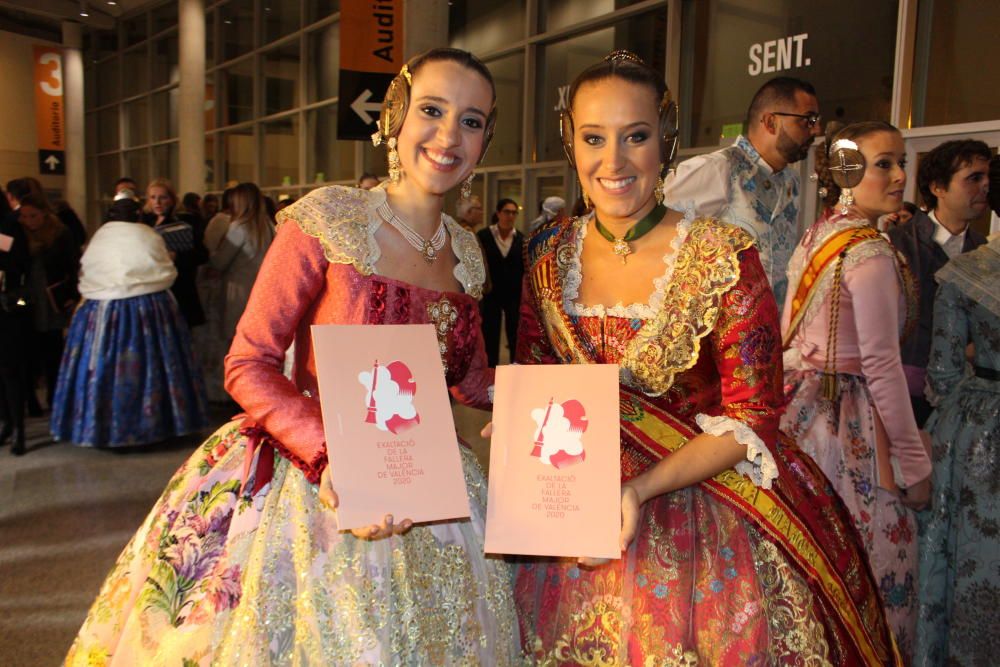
[
  {"x": 812, "y": 119},
  {"x": 509, "y": 211}
]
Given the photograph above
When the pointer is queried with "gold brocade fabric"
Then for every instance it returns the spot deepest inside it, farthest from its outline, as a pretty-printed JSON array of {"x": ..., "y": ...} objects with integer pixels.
[{"x": 216, "y": 577}]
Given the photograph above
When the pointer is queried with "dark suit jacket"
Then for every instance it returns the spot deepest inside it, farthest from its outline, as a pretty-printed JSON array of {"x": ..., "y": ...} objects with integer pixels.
[
  {"x": 915, "y": 240},
  {"x": 505, "y": 272},
  {"x": 16, "y": 264}
]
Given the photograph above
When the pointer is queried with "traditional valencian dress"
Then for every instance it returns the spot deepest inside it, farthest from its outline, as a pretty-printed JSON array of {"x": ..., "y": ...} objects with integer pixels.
[
  {"x": 239, "y": 563},
  {"x": 960, "y": 541},
  {"x": 758, "y": 565},
  {"x": 849, "y": 406},
  {"x": 128, "y": 375}
]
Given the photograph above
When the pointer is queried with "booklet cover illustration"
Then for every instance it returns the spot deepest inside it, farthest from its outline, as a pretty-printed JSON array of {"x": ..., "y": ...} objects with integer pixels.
[
  {"x": 389, "y": 392},
  {"x": 559, "y": 438}
]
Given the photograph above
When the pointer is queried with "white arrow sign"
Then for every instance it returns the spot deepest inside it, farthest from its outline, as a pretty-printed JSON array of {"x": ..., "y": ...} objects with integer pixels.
[
  {"x": 362, "y": 106},
  {"x": 52, "y": 161}
]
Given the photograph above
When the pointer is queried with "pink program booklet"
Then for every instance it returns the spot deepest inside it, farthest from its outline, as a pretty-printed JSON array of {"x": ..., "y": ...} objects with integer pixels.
[
  {"x": 555, "y": 471},
  {"x": 390, "y": 433}
]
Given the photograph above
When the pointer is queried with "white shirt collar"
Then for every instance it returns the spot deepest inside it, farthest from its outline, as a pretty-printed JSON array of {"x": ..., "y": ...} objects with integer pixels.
[{"x": 941, "y": 233}]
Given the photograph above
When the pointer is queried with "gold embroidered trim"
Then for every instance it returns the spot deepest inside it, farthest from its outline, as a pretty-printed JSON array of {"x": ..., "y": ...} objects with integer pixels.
[
  {"x": 443, "y": 316},
  {"x": 707, "y": 267}
]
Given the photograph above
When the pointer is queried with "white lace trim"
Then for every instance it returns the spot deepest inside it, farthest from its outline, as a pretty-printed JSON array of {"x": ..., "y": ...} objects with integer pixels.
[
  {"x": 759, "y": 466},
  {"x": 644, "y": 311}
]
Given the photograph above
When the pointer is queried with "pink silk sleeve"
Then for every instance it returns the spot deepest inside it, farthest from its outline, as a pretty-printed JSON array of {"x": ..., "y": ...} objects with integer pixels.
[
  {"x": 876, "y": 297},
  {"x": 474, "y": 389},
  {"x": 746, "y": 348},
  {"x": 291, "y": 278}
]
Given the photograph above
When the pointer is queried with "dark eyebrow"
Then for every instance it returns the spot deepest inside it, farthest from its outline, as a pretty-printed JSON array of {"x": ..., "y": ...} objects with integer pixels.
[
  {"x": 630, "y": 126},
  {"x": 441, "y": 100}
]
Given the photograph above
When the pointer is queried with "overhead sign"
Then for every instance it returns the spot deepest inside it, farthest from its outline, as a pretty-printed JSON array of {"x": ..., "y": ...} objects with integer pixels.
[
  {"x": 371, "y": 54},
  {"x": 49, "y": 120}
]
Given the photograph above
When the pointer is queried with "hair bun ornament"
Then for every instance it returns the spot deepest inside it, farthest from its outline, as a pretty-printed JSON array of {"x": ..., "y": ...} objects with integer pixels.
[
  {"x": 846, "y": 163},
  {"x": 394, "y": 106},
  {"x": 619, "y": 55}
]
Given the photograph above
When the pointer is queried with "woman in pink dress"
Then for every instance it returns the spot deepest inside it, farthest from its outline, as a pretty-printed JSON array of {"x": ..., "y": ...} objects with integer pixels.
[
  {"x": 240, "y": 561},
  {"x": 735, "y": 549},
  {"x": 848, "y": 304}
]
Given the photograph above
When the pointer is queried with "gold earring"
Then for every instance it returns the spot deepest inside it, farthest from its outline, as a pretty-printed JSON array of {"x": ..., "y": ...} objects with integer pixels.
[
  {"x": 658, "y": 193},
  {"x": 467, "y": 186},
  {"x": 393, "y": 156}
]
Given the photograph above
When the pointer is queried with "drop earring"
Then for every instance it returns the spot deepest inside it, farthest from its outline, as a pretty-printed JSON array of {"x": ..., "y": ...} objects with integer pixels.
[
  {"x": 658, "y": 193},
  {"x": 393, "y": 157},
  {"x": 467, "y": 186},
  {"x": 846, "y": 200}
]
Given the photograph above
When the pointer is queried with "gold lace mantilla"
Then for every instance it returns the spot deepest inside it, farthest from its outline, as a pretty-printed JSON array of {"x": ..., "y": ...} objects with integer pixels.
[
  {"x": 344, "y": 221},
  {"x": 707, "y": 267}
]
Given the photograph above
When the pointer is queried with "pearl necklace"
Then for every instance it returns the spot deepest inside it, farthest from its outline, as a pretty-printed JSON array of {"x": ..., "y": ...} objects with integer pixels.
[{"x": 428, "y": 248}]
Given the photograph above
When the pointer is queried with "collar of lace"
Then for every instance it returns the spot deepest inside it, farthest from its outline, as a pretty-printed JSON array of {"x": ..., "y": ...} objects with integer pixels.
[{"x": 344, "y": 221}]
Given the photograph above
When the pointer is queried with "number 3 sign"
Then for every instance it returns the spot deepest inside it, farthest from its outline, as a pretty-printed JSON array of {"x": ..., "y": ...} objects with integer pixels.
[{"x": 49, "y": 110}]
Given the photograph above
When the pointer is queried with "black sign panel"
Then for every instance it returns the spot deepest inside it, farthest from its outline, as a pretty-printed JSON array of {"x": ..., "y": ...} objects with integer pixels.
[
  {"x": 52, "y": 163},
  {"x": 361, "y": 96}
]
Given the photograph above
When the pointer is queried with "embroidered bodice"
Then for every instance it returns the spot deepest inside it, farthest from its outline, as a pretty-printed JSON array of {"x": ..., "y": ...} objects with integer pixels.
[
  {"x": 320, "y": 270},
  {"x": 709, "y": 348}
]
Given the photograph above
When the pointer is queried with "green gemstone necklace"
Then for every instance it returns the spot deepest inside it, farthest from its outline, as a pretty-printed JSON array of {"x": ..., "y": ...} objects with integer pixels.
[{"x": 638, "y": 230}]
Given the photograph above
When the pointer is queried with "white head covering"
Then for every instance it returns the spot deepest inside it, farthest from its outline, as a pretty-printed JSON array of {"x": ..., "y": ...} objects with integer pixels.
[{"x": 552, "y": 205}]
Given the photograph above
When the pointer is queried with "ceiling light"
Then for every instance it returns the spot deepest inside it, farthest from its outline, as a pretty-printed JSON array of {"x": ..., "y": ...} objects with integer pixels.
[{"x": 83, "y": 8}]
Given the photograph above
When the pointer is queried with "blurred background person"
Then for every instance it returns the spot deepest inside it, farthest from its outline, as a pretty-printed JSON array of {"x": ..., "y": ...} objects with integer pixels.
[
  {"x": 469, "y": 212},
  {"x": 503, "y": 249},
  {"x": 55, "y": 260},
  {"x": 551, "y": 208},
  {"x": 15, "y": 326},
  {"x": 187, "y": 251},
  {"x": 128, "y": 376},
  {"x": 68, "y": 217},
  {"x": 368, "y": 181},
  {"x": 126, "y": 187},
  {"x": 209, "y": 207},
  {"x": 238, "y": 257}
]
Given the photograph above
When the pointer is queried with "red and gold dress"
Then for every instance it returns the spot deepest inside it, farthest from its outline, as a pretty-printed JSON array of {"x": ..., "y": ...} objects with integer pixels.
[
  {"x": 758, "y": 565},
  {"x": 239, "y": 563}
]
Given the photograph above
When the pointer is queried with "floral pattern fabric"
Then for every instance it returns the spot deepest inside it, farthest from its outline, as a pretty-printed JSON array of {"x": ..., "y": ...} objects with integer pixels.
[
  {"x": 240, "y": 564},
  {"x": 960, "y": 535},
  {"x": 128, "y": 375},
  {"x": 838, "y": 436},
  {"x": 705, "y": 582}
]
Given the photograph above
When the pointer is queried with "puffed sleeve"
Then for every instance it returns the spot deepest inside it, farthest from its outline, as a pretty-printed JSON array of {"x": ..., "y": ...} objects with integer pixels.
[
  {"x": 946, "y": 366},
  {"x": 532, "y": 342},
  {"x": 291, "y": 278},
  {"x": 476, "y": 388},
  {"x": 699, "y": 187},
  {"x": 746, "y": 348},
  {"x": 875, "y": 295}
]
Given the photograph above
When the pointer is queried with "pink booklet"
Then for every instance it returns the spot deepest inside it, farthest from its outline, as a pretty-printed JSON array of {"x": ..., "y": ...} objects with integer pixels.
[
  {"x": 390, "y": 434},
  {"x": 555, "y": 471}
]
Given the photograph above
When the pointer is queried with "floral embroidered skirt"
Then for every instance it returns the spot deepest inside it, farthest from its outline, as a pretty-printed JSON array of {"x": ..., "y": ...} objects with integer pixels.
[
  {"x": 840, "y": 437},
  {"x": 960, "y": 536},
  {"x": 215, "y": 576},
  {"x": 128, "y": 375}
]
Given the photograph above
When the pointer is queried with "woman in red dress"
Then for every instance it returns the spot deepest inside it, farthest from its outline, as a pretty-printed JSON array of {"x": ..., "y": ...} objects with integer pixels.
[{"x": 736, "y": 550}]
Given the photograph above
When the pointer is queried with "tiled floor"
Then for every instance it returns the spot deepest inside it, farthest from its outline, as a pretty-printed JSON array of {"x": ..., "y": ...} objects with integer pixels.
[{"x": 65, "y": 514}]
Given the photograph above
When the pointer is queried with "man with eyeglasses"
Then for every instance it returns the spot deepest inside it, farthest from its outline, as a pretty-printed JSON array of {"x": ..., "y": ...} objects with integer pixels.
[
  {"x": 502, "y": 247},
  {"x": 747, "y": 184}
]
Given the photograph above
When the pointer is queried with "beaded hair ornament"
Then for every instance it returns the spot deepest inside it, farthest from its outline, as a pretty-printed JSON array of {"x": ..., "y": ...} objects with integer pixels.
[{"x": 667, "y": 114}]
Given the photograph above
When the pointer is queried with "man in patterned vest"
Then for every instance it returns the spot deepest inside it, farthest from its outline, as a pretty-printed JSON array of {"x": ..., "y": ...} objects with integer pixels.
[{"x": 748, "y": 184}]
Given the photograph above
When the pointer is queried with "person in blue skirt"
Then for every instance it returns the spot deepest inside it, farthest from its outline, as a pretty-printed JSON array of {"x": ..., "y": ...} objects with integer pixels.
[{"x": 128, "y": 375}]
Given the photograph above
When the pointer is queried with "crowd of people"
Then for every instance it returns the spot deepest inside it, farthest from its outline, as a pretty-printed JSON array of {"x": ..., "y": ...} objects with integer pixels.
[
  {"x": 125, "y": 328},
  {"x": 809, "y": 422}
]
